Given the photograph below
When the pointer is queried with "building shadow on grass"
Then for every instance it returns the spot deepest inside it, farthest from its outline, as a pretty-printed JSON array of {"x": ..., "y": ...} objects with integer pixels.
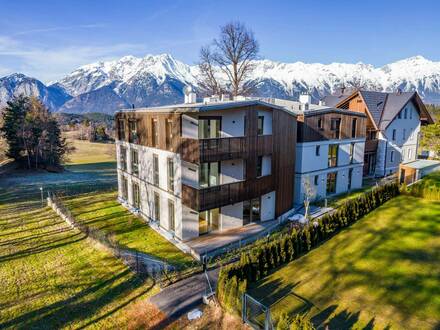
[{"x": 83, "y": 305}]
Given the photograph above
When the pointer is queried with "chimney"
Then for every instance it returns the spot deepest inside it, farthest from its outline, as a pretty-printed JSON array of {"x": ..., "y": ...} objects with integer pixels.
[
  {"x": 190, "y": 96},
  {"x": 305, "y": 98},
  {"x": 225, "y": 97}
]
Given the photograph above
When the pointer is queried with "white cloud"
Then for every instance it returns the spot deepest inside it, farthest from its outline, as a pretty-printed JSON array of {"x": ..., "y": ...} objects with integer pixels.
[
  {"x": 60, "y": 28},
  {"x": 48, "y": 64}
]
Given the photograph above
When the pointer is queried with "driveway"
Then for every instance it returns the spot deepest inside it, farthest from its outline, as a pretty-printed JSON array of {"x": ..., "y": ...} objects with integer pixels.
[{"x": 179, "y": 298}]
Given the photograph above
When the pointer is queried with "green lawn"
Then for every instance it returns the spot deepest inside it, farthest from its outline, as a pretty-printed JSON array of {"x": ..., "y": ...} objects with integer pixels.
[
  {"x": 52, "y": 276},
  {"x": 103, "y": 212},
  {"x": 382, "y": 271}
]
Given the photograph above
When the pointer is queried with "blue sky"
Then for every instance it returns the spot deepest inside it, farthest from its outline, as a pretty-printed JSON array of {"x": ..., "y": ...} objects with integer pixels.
[{"x": 47, "y": 39}]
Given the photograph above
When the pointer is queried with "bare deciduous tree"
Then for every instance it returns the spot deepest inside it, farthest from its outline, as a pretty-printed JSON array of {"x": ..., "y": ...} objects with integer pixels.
[{"x": 232, "y": 54}]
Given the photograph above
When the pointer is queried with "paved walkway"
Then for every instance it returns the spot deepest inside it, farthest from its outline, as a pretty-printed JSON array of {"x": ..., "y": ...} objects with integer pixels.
[
  {"x": 183, "y": 296},
  {"x": 215, "y": 241}
]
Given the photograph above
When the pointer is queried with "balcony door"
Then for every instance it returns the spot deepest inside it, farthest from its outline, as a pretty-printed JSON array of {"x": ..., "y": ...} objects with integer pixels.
[
  {"x": 209, "y": 174},
  {"x": 209, "y": 127},
  {"x": 251, "y": 211},
  {"x": 209, "y": 221}
]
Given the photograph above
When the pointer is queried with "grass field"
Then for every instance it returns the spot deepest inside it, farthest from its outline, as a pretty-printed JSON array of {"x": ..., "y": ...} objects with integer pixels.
[
  {"x": 52, "y": 276},
  {"x": 381, "y": 272},
  {"x": 103, "y": 212}
]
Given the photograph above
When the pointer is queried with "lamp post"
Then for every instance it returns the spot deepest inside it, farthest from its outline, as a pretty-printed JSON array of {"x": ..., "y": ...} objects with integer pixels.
[{"x": 42, "y": 201}]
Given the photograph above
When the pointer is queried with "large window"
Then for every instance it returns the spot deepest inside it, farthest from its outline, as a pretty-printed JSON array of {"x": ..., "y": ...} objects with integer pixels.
[
  {"x": 336, "y": 127},
  {"x": 209, "y": 220},
  {"x": 169, "y": 133},
  {"x": 123, "y": 158},
  {"x": 171, "y": 216},
  {"x": 132, "y": 128},
  {"x": 136, "y": 195},
  {"x": 331, "y": 182},
  {"x": 251, "y": 211},
  {"x": 260, "y": 166},
  {"x": 332, "y": 155},
  {"x": 209, "y": 127},
  {"x": 155, "y": 169},
  {"x": 154, "y": 132},
  {"x": 134, "y": 162},
  {"x": 350, "y": 178},
  {"x": 156, "y": 207},
  {"x": 260, "y": 130},
  {"x": 353, "y": 127},
  {"x": 121, "y": 129},
  {"x": 351, "y": 152},
  {"x": 170, "y": 175},
  {"x": 209, "y": 174},
  {"x": 124, "y": 192},
  {"x": 371, "y": 134}
]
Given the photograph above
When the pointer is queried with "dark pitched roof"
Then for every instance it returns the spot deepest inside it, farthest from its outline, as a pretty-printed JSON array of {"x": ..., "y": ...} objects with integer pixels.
[
  {"x": 394, "y": 104},
  {"x": 375, "y": 102},
  {"x": 384, "y": 107},
  {"x": 332, "y": 100}
]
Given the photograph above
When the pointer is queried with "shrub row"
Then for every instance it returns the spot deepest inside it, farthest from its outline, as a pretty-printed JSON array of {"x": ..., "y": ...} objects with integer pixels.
[{"x": 257, "y": 262}]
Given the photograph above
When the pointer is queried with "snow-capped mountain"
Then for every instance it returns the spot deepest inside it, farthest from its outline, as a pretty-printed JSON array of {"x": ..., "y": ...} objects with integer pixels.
[
  {"x": 159, "y": 79},
  {"x": 16, "y": 84}
]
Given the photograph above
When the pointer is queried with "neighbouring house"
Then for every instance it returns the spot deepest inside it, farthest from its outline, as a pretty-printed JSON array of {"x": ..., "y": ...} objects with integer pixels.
[
  {"x": 416, "y": 170},
  {"x": 393, "y": 126},
  {"x": 329, "y": 149},
  {"x": 196, "y": 168}
]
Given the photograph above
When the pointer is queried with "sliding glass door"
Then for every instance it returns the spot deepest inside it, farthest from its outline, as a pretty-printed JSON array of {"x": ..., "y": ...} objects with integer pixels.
[
  {"x": 209, "y": 220},
  {"x": 251, "y": 211}
]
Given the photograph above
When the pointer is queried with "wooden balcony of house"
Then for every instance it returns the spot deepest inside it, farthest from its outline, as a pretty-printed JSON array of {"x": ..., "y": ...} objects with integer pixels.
[
  {"x": 371, "y": 145},
  {"x": 212, "y": 197},
  {"x": 218, "y": 149}
]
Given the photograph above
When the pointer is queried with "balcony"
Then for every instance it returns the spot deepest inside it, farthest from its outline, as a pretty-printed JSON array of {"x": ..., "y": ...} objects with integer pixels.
[
  {"x": 371, "y": 145},
  {"x": 218, "y": 149},
  {"x": 222, "y": 195}
]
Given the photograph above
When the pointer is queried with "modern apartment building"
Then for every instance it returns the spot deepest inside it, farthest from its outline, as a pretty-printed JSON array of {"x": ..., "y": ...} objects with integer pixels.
[
  {"x": 329, "y": 150},
  {"x": 393, "y": 126},
  {"x": 196, "y": 168},
  {"x": 329, "y": 153}
]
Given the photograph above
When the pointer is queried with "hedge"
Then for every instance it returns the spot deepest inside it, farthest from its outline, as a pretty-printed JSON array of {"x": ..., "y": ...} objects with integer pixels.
[
  {"x": 422, "y": 190},
  {"x": 257, "y": 262}
]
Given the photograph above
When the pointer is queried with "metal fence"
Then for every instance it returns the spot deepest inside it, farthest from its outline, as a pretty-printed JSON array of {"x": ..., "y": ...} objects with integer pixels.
[
  {"x": 255, "y": 314},
  {"x": 141, "y": 263}
]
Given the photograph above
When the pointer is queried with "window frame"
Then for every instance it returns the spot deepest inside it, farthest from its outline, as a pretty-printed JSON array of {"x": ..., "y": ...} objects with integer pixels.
[
  {"x": 121, "y": 129},
  {"x": 155, "y": 132},
  {"x": 333, "y": 183},
  {"x": 123, "y": 158},
  {"x": 132, "y": 131},
  {"x": 169, "y": 133},
  {"x": 318, "y": 150},
  {"x": 134, "y": 166},
  {"x": 332, "y": 158},
  {"x": 156, "y": 201},
  {"x": 171, "y": 216},
  {"x": 135, "y": 188},
  {"x": 170, "y": 174},
  {"x": 201, "y": 131},
  {"x": 353, "y": 127},
  {"x": 156, "y": 169},
  {"x": 260, "y": 130},
  {"x": 336, "y": 128}
]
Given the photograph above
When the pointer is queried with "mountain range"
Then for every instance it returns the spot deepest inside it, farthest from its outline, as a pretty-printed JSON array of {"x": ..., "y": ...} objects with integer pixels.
[{"x": 159, "y": 79}]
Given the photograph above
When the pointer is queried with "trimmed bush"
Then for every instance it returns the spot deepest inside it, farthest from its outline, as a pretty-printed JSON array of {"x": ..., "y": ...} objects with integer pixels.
[{"x": 265, "y": 256}]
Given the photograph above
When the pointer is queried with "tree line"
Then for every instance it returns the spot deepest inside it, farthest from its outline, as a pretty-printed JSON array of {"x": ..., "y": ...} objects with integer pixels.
[{"x": 32, "y": 134}]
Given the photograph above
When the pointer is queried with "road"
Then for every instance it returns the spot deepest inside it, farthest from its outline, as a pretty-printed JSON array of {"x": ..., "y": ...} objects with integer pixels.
[{"x": 179, "y": 298}]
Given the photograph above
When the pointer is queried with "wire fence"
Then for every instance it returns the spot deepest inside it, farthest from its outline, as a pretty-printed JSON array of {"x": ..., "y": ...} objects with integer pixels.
[
  {"x": 141, "y": 263},
  {"x": 256, "y": 314}
]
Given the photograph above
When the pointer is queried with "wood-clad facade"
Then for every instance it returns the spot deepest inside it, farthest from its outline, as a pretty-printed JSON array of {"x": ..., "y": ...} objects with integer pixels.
[
  {"x": 163, "y": 130},
  {"x": 316, "y": 126}
]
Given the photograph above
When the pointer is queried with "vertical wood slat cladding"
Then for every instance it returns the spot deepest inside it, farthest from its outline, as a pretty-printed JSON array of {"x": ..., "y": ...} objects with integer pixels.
[
  {"x": 308, "y": 129},
  {"x": 283, "y": 160},
  {"x": 281, "y": 145},
  {"x": 144, "y": 128}
]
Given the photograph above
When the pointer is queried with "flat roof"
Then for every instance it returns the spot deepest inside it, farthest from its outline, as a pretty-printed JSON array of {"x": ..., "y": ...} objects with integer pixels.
[
  {"x": 422, "y": 163},
  {"x": 210, "y": 106}
]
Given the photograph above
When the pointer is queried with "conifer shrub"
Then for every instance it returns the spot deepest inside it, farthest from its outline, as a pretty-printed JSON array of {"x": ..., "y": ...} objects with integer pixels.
[{"x": 265, "y": 256}]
